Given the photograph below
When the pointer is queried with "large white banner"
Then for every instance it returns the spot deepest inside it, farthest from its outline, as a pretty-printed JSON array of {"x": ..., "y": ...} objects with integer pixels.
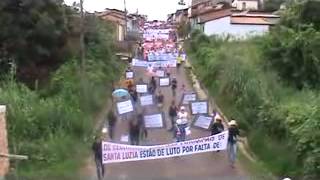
[
  {"x": 113, "y": 153},
  {"x": 141, "y": 63}
]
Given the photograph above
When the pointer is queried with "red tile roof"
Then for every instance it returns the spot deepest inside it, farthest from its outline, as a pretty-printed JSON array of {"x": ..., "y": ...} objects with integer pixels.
[
  {"x": 215, "y": 15},
  {"x": 251, "y": 20}
]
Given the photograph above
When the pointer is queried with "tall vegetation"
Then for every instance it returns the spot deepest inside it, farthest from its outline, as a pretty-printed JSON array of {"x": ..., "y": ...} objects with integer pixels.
[
  {"x": 52, "y": 124},
  {"x": 254, "y": 86},
  {"x": 292, "y": 47}
]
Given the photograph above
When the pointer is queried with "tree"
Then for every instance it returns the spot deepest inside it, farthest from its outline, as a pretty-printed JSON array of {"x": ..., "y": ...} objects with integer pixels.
[
  {"x": 184, "y": 29},
  {"x": 273, "y": 5},
  {"x": 33, "y": 34},
  {"x": 292, "y": 47}
]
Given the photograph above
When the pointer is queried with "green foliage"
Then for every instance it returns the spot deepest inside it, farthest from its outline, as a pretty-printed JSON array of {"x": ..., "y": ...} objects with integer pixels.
[
  {"x": 278, "y": 119},
  {"x": 292, "y": 46},
  {"x": 32, "y": 33},
  {"x": 272, "y": 5},
  {"x": 184, "y": 29},
  {"x": 52, "y": 126}
]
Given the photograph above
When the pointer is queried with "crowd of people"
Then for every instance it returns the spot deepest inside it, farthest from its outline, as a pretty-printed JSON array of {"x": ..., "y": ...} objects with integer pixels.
[{"x": 178, "y": 114}]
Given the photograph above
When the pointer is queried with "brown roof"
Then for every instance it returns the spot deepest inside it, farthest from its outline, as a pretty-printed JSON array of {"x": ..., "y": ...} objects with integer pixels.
[
  {"x": 251, "y": 20},
  {"x": 215, "y": 15}
]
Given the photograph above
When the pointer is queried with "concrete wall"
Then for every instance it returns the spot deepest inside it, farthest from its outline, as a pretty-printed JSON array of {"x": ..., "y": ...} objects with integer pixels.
[
  {"x": 4, "y": 162},
  {"x": 223, "y": 27}
]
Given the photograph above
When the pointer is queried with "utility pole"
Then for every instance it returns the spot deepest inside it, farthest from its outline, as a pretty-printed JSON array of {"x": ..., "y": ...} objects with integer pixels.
[
  {"x": 82, "y": 45},
  {"x": 126, "y": 21}
]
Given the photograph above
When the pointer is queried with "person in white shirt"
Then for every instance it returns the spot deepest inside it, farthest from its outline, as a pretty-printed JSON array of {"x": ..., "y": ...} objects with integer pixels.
[{"x": 182, "y": 124}]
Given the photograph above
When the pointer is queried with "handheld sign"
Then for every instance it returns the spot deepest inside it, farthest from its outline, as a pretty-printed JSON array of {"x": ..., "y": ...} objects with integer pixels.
[
  {"x": 142, "y": 88},
  {"x": 202, "y": 122},
  {"x": 199, "y": 107},
  {"x": 146, "y": 100},
  {"x": 164, "y": 81},
  {"x": 154, "y": 121},
  {"x": 160, "y": 73},
  {"x": 129, "y": 75},
  {"x": 187, "y": 97},
  {"x": 124, "y": 107}
]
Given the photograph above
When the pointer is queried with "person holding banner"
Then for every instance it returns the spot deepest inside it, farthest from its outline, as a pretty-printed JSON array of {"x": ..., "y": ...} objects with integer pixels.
[
  {"x": 217, "y": 126},
  {"x": 97, "y": 150},
  {"x": 232, "y": 141},
  {"x": 182, "y": 124}
]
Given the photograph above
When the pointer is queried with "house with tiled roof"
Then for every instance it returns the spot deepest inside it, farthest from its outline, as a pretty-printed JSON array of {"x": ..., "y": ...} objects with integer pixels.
[
  {"x": 222, "y": 19},
  {"x": 127, "y": 25},
  {"x": 239, "y": 25}
]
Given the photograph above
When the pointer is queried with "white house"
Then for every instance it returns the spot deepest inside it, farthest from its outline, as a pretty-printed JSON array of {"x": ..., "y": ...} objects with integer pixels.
[{"x": 239, "y": 26}]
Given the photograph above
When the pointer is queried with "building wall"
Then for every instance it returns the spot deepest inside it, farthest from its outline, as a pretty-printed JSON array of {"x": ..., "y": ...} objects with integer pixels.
[
  {"x": 121, "y": 33},
  {"x": 4, "y": 162},
  {"x": 223, "y": 27},
  {"x": 249, "y": 5}
]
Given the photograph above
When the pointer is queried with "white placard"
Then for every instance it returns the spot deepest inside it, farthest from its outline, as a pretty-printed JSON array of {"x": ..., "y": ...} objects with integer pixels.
[
  {"x": 203, "y": 122},
  {"x": 142, "y": 88},
  {"x": 164, "y": 81},
  {"x": 189, "y": 97},
  {"x": 153, "y": 121},
  {"x": 129, "y": 75},
  {"x": 124, "y": 107},
  {"x": 199, "y": 107},
  {"x": 124, "y": 138},
  {"x": 146, "y": 100},
  {"x": 160, "y": 73},
  {"x": 188, "y": 131}
]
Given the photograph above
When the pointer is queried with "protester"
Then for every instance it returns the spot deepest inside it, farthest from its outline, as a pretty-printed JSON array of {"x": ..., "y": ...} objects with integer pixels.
[
  {"x": 182, "y": 124},
  {"x": 134, "y": 94},
  {"x": 167, "y": 70},
  {"x": 232, "y": 141},
  {"x": 174, "y": 84},
  {"x": 183, "y": 89},
  {"x": 217, "y": 126},
  {"x": 153, "y": 85},
  {"x": 112, "y": 119},
  {"x": 173, "y": 114},
  {"x": 179, "y": 61},
  {"x": 143, "y": 130},
  {"x": 134, "y": 132},
  {"x": 97, "y": 150},
  {"x": 160, "y": 99}
]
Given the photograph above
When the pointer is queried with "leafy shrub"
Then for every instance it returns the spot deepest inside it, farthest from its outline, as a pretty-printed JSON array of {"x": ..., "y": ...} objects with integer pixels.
[
  {"x": 278, "y": 118},
  {"x": 52, "y": 125}
]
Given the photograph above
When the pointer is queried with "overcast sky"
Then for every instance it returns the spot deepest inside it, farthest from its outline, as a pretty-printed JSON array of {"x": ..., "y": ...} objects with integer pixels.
[{"x": 155, "y": 9}]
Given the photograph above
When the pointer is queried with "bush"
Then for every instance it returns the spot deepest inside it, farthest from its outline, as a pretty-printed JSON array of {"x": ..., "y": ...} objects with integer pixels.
[
  {"x": 52, "y": 125},
  {"x": 277, "y": 118}
]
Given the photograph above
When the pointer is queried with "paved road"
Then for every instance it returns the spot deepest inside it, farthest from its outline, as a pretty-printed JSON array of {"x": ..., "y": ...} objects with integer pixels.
[{"x": 210, "y": 165}]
